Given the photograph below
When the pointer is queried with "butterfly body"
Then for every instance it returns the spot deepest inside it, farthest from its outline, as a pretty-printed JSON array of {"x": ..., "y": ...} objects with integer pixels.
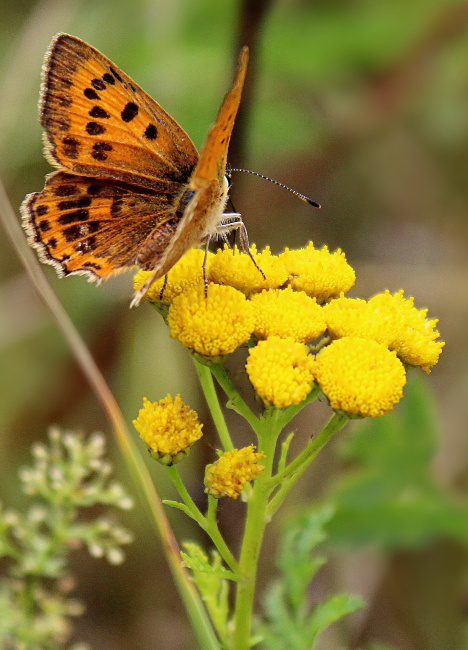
[{"x": 131, "y": 189}]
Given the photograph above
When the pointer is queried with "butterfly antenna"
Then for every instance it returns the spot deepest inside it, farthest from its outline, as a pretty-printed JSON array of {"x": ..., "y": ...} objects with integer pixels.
[{"x": 303, "y": 197}]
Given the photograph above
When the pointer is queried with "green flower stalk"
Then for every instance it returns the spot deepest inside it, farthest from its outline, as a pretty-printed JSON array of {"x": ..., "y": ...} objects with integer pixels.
[{"x": 304, "y": 338}]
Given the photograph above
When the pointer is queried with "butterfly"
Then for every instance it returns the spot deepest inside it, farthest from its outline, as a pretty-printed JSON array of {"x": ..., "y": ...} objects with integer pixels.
[{"x": 131, "y": 189}]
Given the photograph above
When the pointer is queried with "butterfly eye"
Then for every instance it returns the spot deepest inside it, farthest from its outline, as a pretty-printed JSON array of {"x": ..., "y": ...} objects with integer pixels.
[{"x": 184, "y": 201}]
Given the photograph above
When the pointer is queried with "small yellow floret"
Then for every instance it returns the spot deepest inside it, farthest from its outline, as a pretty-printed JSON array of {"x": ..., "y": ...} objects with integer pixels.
[
  {"x": 232, "y": 267},
  {"x": 288, "y": 313},
  {"x": 280, "y": 371},
  {"x": 212, "y": 326},
  {"x": 228, "y": 475},
  {"x": 169, "y": 428},
  {"x": 359, "y": 376},
  {"x": 413, "y": 335},
  {"x": 187, "y": 273},
  {"x": 356, "y": 317},
  {"x": 319, "y": 273}
]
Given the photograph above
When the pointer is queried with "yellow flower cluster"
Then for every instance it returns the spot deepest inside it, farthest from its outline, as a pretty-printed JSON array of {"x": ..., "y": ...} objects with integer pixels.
[
  {"x": 391, "y": 320},
  {"x": 214, "y": 325},
  {"x": 361, "y": 369},
  {"x": 169, "y": 428},
  {"x": 229, "y": 474},
  {"x": 321, "y": 274},
  {"x": 360, "y": 376},
  {"x": 235, "y": 268},
  {"x": 288, "y": 313},
  {"x": 281, "y": 371}
]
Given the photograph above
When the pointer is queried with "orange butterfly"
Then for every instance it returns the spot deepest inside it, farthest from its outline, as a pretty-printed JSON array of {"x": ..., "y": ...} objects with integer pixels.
[{"x": 131, "y": 189}]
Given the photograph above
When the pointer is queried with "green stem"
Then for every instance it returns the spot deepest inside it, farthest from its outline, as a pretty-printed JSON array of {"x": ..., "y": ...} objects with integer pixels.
[
  {"x": 208, "y": 524},
  {"x": 285, "y": 416},
  {"x": 292, "y": 472},
  {"x": 207, "y": 384},
  {"x": 218, "y": 540},
  {"x": 185, "y": 496},
  {"x": 255, "y": 525},
  {"x": 236, "y": 401}
]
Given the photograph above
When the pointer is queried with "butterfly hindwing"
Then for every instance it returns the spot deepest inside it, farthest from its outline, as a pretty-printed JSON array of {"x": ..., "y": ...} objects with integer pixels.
[
  {"x": 95, "y": 226},
  {"x": 101, "y": 123}
]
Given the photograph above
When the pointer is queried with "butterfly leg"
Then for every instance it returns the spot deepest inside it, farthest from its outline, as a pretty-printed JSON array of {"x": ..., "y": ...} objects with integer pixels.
[
  {"x": 161, "y": 293},
  {"x": 205, "y": 260},
  {"x": 234, "y": 222}
]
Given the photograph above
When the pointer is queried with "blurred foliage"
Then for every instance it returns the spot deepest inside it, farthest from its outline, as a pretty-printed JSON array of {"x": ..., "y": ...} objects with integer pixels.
[
  {"x": 363, "y": 106},
  {"x": 67, "y": 477},
  {"x": 389, "y": 495}
]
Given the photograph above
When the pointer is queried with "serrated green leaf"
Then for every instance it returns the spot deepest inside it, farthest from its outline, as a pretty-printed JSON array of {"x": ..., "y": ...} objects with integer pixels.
[
  {"x": 201, "y": 567},
  {"x": 332, "y": 610},
  {"x": 292, "y": 625},
  {"x": 211, "y": 581},
  {"x": 295, "y": 560}
]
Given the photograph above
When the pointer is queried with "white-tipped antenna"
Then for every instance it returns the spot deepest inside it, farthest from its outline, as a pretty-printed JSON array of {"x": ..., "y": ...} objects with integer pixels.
[{"x": 303, "y": 197}]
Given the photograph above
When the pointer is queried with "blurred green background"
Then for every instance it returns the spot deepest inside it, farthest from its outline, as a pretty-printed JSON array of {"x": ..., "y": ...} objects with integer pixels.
[{"x": 361, "y": 105}]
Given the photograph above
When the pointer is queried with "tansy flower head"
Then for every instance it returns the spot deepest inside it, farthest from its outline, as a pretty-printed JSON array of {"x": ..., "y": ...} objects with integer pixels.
[
  {"x": 214, "y": 325},
  {"x": 319, "y": 273},
  {"x": 280, "y": 371},
  {"x": 187, "y": 273},
  {"x": 236, "y": 269},
  {"x": 356, "y": 317},
  {"x": 413, "y": 335},
  {"x": 169, "y": 428},
  {"x": 228, "y": 475},
  {"x": 287, "y": 313},
  {"x": 359, "y": 376}
]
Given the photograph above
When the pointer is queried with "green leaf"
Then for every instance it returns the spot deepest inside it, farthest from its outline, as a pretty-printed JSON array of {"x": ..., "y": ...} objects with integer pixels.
[
  {"x": 196, "y": 560},
  {"x": 332, "y": 610},
  {"x": 391, "y": 496},
  {"x": 211, "y": 581},
  {"x": 292, "y": 624},
  {"x": 179, "y": 506}
]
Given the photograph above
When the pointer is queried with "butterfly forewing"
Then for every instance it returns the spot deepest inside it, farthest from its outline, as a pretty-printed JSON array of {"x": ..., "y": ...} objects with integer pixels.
[
  {"x": 207, "y": 185},
  {"x": 100, "y": 123},
  {"x": 213, "y": 158}
]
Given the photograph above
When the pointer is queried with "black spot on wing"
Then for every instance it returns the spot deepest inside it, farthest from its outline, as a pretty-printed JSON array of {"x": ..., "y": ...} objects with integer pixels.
[
  {"x": 108, "y": 78},
  {"x": 97, "y": 111},
  {"x": 93, "y": 128},
  {"x": 151, "y": 132},
  {"x": 129, "y": 112},
  {"x": 116, "y": 74},
  {"x": 90, "y": 93},
  {"x": 65, "y": 190},
  {"x": 98, "y": 84}
]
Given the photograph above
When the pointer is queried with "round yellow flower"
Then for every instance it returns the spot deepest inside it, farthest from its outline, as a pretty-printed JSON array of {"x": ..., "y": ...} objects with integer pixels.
[
  {"x": 413, "y": 335},
  {"x": 214, "y": 325},
  {"x": 280, "y": 371},
  {"x": 235, "y": 268},
  {"x": 185, "y": 274},
  {"x": 287, "y": 313},
  {"x": 229, "y": 474},
  {"x": 169, "y": 428},
  {"x": 356, "y": 317},
  {"x": 360, "y": 376},
  {"x": 319, "y": 273}
]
